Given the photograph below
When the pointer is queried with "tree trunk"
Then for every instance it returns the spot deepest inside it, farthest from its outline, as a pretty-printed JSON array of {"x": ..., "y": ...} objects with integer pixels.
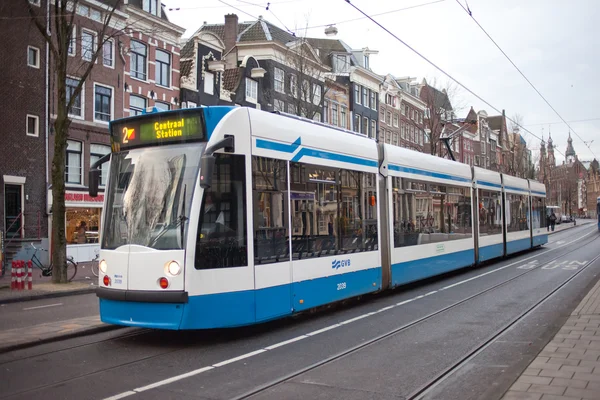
[{"x": 61, "y": 133}]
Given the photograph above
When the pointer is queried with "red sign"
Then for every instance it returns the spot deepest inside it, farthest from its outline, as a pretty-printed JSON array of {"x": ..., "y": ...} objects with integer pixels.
[{"x": 84, "y": 197}]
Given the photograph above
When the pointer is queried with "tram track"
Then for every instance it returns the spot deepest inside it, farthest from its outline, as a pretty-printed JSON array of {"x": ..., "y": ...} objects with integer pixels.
[
  {"x": 333, "y": 358},
  {"x": 417, "y": 394}
]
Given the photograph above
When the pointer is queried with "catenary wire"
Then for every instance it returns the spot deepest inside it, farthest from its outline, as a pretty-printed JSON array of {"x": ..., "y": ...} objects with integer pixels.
[
  {"x": 442, "y": 70},
  {"x": 468, "y": 11}
]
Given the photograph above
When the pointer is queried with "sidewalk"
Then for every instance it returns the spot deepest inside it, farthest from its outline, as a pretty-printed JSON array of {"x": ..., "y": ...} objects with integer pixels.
[
  {"x": 14, "y": 339},
  {"x": 568, "y": 368}
]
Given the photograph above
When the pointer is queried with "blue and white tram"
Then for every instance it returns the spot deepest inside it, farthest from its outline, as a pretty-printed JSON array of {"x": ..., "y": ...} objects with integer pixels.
[{"x": 227, "y": 216}]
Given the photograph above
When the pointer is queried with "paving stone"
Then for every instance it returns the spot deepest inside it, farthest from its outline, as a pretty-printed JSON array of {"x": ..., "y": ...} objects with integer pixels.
[
  {"x": 557, "y": 374},
  {"x": 562, "y": 361},
  {"x": 587, "y": 377},
  {"x": 556, "y": 366},
  {"x": 520, "y": 387},
  {"x": 548, "y": 389},
  {"x": 572, "y": 368},
  {"x": 536, "y": 371},
  {"x": 535, "y": 380},
  {"x": 590, "y": 394},
  {"x": 554, "y": 397},
  {"x": 510, "y": 395},
  {"x": 569, "y": 383}
]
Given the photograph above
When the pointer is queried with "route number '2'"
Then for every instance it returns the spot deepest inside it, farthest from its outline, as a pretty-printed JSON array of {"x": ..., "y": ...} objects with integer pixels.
[{"x": 341, "y": 286}]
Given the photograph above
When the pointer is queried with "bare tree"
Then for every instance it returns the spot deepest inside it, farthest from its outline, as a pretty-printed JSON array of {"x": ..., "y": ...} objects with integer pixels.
[
  {"x": 57, "y": 30},
  {"x": 442, "y": 103}
]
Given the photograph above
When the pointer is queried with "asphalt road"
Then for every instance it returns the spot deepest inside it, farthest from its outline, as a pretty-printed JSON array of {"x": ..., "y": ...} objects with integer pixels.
[{"x": 144, "y": 364}]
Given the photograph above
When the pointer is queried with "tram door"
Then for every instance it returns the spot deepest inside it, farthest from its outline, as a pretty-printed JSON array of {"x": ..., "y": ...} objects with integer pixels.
[{"x": 272, "y": 264}]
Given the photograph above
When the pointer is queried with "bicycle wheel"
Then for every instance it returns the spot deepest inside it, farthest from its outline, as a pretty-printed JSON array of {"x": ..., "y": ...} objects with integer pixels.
[
  {"x": 95, "y": 268},
  {"x": 71, "y": 270}
]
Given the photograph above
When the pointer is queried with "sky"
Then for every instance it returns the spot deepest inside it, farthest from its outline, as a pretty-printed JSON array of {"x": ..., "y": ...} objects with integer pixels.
[{"x": 550, "y": 41}]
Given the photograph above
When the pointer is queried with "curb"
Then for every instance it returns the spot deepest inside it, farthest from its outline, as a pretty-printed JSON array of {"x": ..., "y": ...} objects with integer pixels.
[
  {"x": 48, "y": 295},
  {"x": 566, "y": 229},
  {"x": 56, "y": 338}
]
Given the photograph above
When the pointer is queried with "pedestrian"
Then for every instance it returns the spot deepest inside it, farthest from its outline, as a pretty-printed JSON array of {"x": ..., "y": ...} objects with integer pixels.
[
  {"x": 548, "y": 223},
  {"x": 81, "y": 236},
  {"x": 552, "y": 220}
]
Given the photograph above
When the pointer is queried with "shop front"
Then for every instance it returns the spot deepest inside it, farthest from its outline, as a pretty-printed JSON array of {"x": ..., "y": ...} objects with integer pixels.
[{"x": 82, "y": 224}]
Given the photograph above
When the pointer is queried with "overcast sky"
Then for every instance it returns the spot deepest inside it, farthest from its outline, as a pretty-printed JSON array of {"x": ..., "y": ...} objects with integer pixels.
[{"x": 551, "y": 41}]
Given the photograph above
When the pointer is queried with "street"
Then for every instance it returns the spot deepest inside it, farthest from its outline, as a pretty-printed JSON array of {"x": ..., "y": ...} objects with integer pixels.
[{"x": 433, "y": 324}]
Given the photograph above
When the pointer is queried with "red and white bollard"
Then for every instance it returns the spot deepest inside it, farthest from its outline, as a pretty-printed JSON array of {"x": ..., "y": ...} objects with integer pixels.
[
  {"x": 13, "y": 275},
  {"x": 19, "y": 275},
  {"x": 29, "y": 275}
]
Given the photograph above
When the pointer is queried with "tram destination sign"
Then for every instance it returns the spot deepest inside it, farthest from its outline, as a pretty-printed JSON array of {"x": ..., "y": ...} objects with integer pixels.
[{"x": 157, "y": 129}]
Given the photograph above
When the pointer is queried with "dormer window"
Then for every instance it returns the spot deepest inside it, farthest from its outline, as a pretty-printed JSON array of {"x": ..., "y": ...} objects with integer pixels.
[
  {"x": 152, "y": 7},
  {"x": 340, "y": 63},
  {"x": 366, "y": 61}
]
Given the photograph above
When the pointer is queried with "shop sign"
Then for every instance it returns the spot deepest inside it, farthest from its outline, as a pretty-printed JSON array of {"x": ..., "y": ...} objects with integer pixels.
[{"x": 83, "y": 198}]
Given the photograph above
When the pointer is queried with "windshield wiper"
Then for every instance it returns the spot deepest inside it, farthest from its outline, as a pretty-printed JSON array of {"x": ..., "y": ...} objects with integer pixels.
[{"x": 180, "y": 223}]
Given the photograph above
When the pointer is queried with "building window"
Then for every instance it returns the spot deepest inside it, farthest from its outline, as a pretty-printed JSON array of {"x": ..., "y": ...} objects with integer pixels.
[
  {"x": 35, "y": 2},
  {"x": 152, "y": 7},
  {"x": 317, "y": 117},
  {"x": 357, "y": 93},
  {"x": 137, "y": 105},
  {"x": 279, "y": 105},
  {"x": 251, "y": 90},
  {"x": 77, "y": 106},
  {"x": 366, "y": 61},
  {"x": 191, "y": 104},
  {"x": 343, "y": 117},
  {"x": 395, "y": 139},
  {"x": 95, "y": 15},
  {"x": 73, "y": 165},
  {"x": 291, "y": 109},
  {"x": 403, "y": 130},
  {"x": 365, "y": 97},
  {"x": 356, "y": 123},
  {"x": 102, "y": 103},
  {"x": 209, "y": 82},
  {"x": 88, "y": 45},
  {"x": 293, "y": 85},
  {"x": 160, "y": 106},
  {"x": 279, "y": 80},
  {"x": 326, "y": 112},
  {"x": 73, "y": 42},
  {"x": 108, "y": 58},
  {"x": 163, "y": 68},
  {"x": 373, "y": 100},
  {"x": 334, "y": 114},
  {"x": 97, "y": 151},
  {"x": 365, "y": 127},
  {"x": 420, "y": 117},
  {"x": 340, "y": 63},
  {"x": 388, "y": 118},
  {"x": 33, "y": 125},
  {"x": 138, "y": 60},
  {"x": 373, "y": 129},
  {"x": 33, "y": 56},
  {"x": 395, "y": 120},
  {"x": 316, "y": 94}
]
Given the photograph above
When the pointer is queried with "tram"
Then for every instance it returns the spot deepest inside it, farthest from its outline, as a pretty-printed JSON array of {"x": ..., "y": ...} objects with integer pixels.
[{"x": 228, "y": 216}]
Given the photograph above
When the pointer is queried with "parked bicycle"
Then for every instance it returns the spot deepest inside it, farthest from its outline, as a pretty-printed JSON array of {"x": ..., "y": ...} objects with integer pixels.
[
  {"x": 95, "y": 264},
  {"x": 47, "y": 269}
]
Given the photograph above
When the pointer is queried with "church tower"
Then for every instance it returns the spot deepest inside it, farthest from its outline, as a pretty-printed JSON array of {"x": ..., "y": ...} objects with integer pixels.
[
  {"x": 551, "y": 159},
  {"x": 570, "y": 153},
  {"x": 543, "y": 161}
]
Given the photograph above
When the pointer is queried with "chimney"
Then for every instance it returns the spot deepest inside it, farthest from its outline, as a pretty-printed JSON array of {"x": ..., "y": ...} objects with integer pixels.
[{"x": 231, "y": 31}]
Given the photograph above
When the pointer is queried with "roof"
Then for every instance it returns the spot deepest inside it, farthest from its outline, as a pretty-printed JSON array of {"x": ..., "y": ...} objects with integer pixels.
[
  {"x": 440, "y": 98},
  {"x": 185, "y": 67},
  {"x": 496, "y": 122},
  {"x": 187, "y": 51},
  {"x": 328, "y": 46},
  {"x": 230, "y": 78},
  {"x": 256, "y": 31}
]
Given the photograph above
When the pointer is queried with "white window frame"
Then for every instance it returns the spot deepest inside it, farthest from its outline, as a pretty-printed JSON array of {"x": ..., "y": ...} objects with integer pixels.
[
  {"x": 82, "y": 99},
  {"x": 112, "y": 103},
  {"x": 317, "y": 94},
  {"x": 135, "y": 108},
  {"x": 358, "y": 98},
  {"x": 396, "y": 120},
  {"x": 37, "y": 58},
  {"x": 279, "y": 79},
  {"x": 112, "y": 47},
  {"x": 35, "y": 2},
  {"x": 343, "y": 117},
  {"x": 82, "y": 156},
  {"x": 104, "y": 168},
  {"x": 146, "y": 6},
  {"x": 94, "y": 44},
  {"x": 92, "y": 11},
  {"x": 167, "y": 105},
  {"x": 334, "y": 114},
  {"x": 209, "y": 83},
  {"x": 281, "y": 102},
  {"x": 131, "y": 71},
  {"x": 251, "y": 84},
  {"x": 170, "y": 68},
  {"x": 293, "y": 85},
  {"x": 73, "y": 42},
  {"x": 36, "y": 126}
]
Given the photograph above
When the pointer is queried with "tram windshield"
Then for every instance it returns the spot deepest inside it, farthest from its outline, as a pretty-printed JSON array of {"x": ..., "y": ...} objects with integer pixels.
[{"x": 149, "y": 196}]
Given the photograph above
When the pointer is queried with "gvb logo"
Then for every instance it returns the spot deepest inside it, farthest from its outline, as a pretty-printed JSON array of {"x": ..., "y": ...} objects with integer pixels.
[{"x": 337, "y": 264}]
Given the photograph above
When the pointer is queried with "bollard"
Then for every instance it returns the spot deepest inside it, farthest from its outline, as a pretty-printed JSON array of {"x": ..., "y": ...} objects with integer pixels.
[
  {"x": 13, "y": 275},
  {"x": 29, "y": 275},
  {"x": 23, "y": 275},
  {"x": 18, "y": 275}
]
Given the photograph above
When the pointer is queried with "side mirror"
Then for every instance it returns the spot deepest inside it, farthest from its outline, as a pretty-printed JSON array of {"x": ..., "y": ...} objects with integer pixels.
[
  {"x": 94, "y": 179},
  {"x": 207, "y": 166}
]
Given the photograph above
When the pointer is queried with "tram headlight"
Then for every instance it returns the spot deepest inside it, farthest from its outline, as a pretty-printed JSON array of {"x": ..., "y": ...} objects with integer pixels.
[
  {"x": 103, "y": 266},
  {"x": 172, "y": 268}
]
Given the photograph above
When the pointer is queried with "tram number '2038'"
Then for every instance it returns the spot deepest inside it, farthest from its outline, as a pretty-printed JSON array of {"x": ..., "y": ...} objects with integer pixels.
[
  {"x": 341, "y": 286},
  {"x": 564, "y": 265}
]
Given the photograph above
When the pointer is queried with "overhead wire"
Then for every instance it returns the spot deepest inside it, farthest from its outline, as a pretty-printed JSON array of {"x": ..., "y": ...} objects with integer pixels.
[
  {"x": 468, "y": 11},
  {"x": 441, "y": 70}
]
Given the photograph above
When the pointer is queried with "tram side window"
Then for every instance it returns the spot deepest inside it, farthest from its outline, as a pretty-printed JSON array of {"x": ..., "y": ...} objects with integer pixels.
[
  {"x": 490, "y": 212},
  {"x": 538, "y": 212},
  {"x": 429, "y": 213},
  {"x": 517, "y": 212},
  {"x": 221, "y": 241},
  {"x": 270, "y": 205},
  {"x": 333, "y": 211}
]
